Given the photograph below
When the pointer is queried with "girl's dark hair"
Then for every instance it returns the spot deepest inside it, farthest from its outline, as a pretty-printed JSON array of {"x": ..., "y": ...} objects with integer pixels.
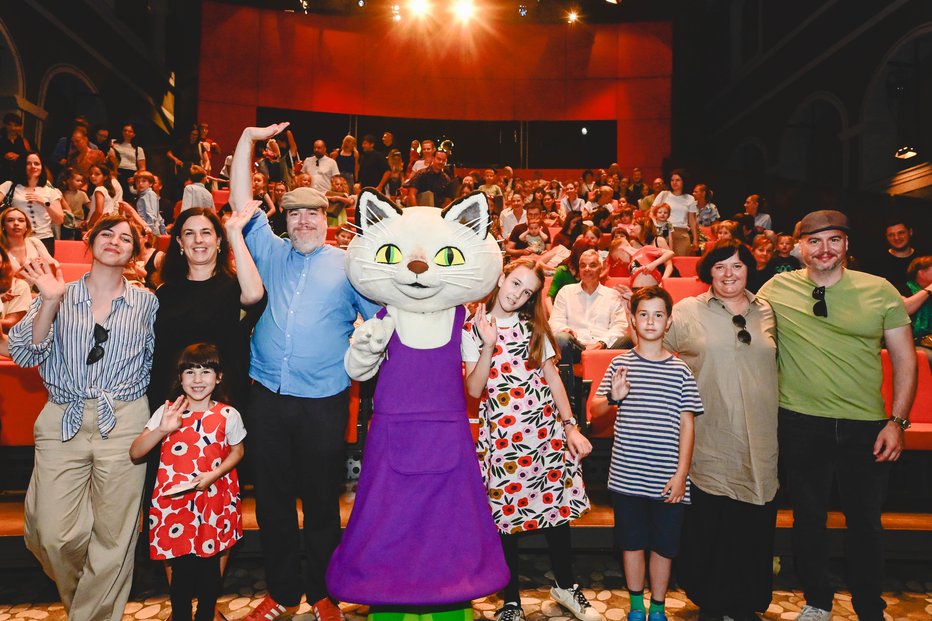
[
  {"x": 651, "y": 293},
  {"x": 107, "y": 183},
  {"x": 681, "y": 173},
  {"x": 175, "y": 267},
  {"x": 570, "y": 229},
  {"x": 533, "y": 311},
  {"x": 66, "y": 175},
  {"x": 722, "y": 250},
  {"x": 108, "y": 222},
  {"x": 579, "y": 247},
  {"x": 19, "y": 171},
  {"x": 199, "y": 356}
]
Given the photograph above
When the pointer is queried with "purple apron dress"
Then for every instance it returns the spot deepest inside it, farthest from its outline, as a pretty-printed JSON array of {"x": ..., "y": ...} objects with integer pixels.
[{"x": 421, "y": 532}]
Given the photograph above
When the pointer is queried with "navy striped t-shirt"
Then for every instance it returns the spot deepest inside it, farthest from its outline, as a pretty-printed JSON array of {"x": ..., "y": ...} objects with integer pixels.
[{"x": 645, "y": 452}]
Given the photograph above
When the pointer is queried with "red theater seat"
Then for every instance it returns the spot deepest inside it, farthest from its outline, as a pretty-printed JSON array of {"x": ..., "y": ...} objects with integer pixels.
[
  {"x": 680, "y": 288},
  {"x": 221, "y": 197},
  {"x": 74, "y": 271},
  {"x": 161, "y": 243},
  {"x": 22, "y": 396},
  {"x": 332, "y": 232},
  {"x": 686, "y": 266},
  {"x": 72, "y": 251},
  {"x": 592, "y": 368},
  {"x": 919, "y": 435}
]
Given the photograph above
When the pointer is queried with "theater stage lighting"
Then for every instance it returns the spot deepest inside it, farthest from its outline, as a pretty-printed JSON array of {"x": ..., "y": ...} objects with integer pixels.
[
  {"x": 904, "y": 153},
  {"x": 419, "y": 8},
  {"x": 572, "y": 17},
  {"x": 464, "y": 9}
]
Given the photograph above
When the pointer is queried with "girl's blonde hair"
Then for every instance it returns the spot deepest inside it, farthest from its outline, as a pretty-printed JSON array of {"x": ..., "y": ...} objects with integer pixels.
[{"x": 534, "y": 312}]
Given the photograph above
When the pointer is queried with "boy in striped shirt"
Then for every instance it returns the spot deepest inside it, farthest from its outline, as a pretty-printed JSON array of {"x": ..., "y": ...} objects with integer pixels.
[{"x": 657, "y": 398}]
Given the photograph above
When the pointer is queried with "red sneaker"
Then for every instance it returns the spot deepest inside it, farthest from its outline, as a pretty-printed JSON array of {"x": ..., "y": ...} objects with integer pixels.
[
  {"x": 268, "y": 609},
  {"x": 326, "y": 610}
]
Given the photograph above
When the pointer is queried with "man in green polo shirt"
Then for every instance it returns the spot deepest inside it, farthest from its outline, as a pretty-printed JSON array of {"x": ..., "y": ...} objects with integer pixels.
[{"x": 832, "y": 423}]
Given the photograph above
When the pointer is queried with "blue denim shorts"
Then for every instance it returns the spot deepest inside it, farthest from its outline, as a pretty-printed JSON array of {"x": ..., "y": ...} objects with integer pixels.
[{"x": 647, "y": 524}]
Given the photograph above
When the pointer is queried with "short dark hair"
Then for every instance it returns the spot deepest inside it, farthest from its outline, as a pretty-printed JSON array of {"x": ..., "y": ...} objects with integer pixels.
[
  {"x": 651, "y": 293},
  {"x": 722, "y": 250},
  {"x": 197, "y": 173},
  {"x": 108, "y": 222},
  {"x": 895, "y": 220},
  {"x": 174, "y": 267},
  {"x": 198, "y": 356},
  {"x": 12, "y": 117},
  {"x": 369, "y": 138}
]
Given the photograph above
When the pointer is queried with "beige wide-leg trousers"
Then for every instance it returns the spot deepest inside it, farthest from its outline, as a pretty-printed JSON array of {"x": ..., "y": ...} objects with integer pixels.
[{"x": 83, "y": 506}]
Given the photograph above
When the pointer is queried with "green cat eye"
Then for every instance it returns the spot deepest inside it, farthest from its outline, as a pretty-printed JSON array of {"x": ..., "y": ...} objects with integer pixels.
[
  {"x": 449, "y": 256},
  {"x": 389, "y": 253}
]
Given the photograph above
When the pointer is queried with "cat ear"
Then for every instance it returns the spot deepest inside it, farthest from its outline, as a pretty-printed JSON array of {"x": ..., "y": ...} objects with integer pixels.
[
  {"x": 472, "y": 211},
  {"x": 373, "y": 207}
]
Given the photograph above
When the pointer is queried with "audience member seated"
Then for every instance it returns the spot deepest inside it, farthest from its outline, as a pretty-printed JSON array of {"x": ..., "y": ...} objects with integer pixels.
[
  {"x": 31, "y": 193},
  {"x": 76, "y": 203},
  {"x": 783, "y": 260},
  {"x": 196, "y": 193},
  {"x": 17, "y": 239},
  {"x": 531, "y": 238},
  {"x": 571, "y": 202},
  {"x": 707, "y": 213},
  {"x": 918, "y": 306},
  {"x": 600, "y": 205},
  {"x": 684, "y": 239},
  {"x": 764, "y": 270},
  {"x": 339, "y": 200},
  {"x": 572, "y": 228},
  {"x": 753, "y": 206},
  {"x": 431, "y": 179},
  {"x": 513, "y": 215},
  {"x": 15, "y": 295},
  {"x": 586, "y": 315},
  {"x": 894, "y": 262}
]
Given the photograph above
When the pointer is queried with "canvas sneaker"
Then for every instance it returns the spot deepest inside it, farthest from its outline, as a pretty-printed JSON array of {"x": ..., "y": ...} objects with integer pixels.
[{"x": 574, "y": 601}]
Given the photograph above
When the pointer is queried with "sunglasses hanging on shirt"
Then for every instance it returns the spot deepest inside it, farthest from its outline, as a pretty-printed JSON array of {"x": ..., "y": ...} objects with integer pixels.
[
  {"x": 819, "y": 309},
  {"x": 101, "y": 334},
  {"x": 741, "y": 323}
]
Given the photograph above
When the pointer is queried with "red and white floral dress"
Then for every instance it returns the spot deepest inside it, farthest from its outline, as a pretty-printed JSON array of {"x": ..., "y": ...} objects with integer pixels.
[
  {"x": 531, "y": 479},
  {"x": 205, "y": 522}
]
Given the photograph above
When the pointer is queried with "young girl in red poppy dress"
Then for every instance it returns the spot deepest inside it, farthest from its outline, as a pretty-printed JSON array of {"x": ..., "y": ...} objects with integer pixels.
[
  {"x": 195, "y": 513},
  {"x": 529, "y": 445}
]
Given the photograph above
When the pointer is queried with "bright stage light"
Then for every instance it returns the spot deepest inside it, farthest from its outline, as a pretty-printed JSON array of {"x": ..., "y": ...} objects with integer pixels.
[
  {"x": 464, "y": 9},
  {"x": 419, "y": 8},
  {"x": 572, "y": 17},
  {"x": 396, "y": 13}
]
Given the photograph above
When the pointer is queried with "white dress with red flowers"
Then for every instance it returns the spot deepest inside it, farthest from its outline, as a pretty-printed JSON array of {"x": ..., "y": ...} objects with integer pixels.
[
  {"x": 205, "y": 522},
  {"x": 531, "y": 479}
]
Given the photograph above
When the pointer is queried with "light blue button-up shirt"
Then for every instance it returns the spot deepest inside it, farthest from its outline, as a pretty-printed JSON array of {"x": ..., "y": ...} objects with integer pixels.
[{"x": 299, "y": 342}]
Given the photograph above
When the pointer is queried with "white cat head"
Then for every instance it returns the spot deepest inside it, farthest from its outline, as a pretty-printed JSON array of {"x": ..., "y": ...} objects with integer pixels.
[{"x": 423, "y": 259}]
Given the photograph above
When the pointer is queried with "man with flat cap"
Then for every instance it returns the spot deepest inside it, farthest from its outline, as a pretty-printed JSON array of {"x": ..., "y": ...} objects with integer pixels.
[
  {"x": 832, "y": 423},
  {"x": 300, "y": 396}
]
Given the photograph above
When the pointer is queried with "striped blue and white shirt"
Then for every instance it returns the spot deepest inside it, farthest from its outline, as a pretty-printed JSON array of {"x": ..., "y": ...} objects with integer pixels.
[
  {"x": 646, "y": 447},
  {"x": 121, "y": 375}
]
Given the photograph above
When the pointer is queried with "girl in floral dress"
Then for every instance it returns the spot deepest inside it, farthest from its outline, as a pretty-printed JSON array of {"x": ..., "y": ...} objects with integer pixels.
[
  {"x": 195, "y": 513},
  {"x": 529, "y": 444}
]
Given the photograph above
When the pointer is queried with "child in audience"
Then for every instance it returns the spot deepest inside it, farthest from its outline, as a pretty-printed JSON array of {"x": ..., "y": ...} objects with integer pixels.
[
  {"x": 76, "y": 201},
  {"x": 657, "y": 397},
  {"x": 344, "y": 237},
  {"x": 529, "y": 445},
  {"x": 762, "y": 249},
  {"x": 147, "y": 202},
  {"x": 660, "y": 220},
  {"x": 784, "y": 261},
  {"x": 103, "y": 194},
  {"x": 197, "y": 489},
  {"x": 536, "y": 237}
]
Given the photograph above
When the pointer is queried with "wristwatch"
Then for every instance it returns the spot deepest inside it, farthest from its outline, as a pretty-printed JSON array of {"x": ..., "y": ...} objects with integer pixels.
[
  {"x": 903, "y": 423},
  {"x": 615, "y": 402},
  {"x": 48, "y": 204},
  {"x": 570, "y": 421}
]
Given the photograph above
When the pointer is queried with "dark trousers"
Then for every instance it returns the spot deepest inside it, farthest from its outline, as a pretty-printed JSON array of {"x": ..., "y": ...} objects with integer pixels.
[
  {"x": 298, "y": 449},
  {"x": 726, "y": 557},
  {"x": 813, "y": 450},
  {"x": 561, "y": 558},
  {"x": 193, "y": 576},
  {"x": 49, "y": 243}
]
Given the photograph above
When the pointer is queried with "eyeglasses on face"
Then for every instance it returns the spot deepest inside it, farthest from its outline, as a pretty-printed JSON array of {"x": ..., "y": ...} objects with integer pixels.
[
  {"x": 741, "y": 323},
  {"x": 101, "y": 334},
  {"x": 819, "y": 309}
]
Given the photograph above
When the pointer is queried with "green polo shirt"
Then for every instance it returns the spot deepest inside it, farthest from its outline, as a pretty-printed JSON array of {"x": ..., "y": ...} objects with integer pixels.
[{"x": 830, "y": 366}]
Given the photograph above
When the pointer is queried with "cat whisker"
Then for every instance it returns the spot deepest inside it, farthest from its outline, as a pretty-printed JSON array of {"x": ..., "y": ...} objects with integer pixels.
[
  {"x": 377, "y": 278},
  {"x": 463, "y": 277},
  {"x": 456, "y": 284}
]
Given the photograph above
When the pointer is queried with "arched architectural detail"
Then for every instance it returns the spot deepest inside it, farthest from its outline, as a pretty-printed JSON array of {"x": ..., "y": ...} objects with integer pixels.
[
  {"x": 83, "y": 98},
  {"x": 878, "y": 128},
  {"x": 12, "y": 76},
  {"x": 750, "y": 156},
  {"x": 814, "y": 142}
]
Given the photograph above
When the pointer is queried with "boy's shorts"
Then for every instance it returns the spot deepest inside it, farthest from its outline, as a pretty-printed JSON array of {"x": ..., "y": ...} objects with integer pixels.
[{"x": 647, "y": 524}]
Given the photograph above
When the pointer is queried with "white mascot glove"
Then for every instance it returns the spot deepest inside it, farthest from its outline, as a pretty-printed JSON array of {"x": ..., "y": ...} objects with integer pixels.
[{"x": 367, "y": 349}]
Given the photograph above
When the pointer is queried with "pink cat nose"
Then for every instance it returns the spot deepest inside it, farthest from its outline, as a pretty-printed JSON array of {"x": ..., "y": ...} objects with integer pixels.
[{"x": 418, "y": 267}]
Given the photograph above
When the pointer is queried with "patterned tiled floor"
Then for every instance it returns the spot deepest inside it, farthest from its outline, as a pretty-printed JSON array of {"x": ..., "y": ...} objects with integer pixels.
[{"x": 29, "y": 595}]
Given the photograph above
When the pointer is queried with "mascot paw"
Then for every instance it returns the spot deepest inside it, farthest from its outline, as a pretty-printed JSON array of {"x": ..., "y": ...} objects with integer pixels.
[{"x": 373, "y": 335}]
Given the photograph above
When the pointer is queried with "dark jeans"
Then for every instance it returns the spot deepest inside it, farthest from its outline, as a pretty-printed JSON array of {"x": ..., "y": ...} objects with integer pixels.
[
  {"x": 813, "y": 450},
  {"x": 561, "y": 558},
  {"x": 193, "y": 576},
  {"x": 49, "y": 243},
  {"x": 298, "y": 449}
]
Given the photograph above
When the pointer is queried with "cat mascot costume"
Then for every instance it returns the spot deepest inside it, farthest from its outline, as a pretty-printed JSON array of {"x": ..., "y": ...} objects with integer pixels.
[{"x": 420, "y": 542}]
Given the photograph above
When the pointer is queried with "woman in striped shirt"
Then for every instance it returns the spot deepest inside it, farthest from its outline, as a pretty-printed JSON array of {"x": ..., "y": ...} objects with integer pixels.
[{"x": 92, "y": 341}]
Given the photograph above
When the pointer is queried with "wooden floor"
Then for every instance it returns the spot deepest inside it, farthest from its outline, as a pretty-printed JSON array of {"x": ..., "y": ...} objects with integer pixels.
[{"x": 11, "y": 517}]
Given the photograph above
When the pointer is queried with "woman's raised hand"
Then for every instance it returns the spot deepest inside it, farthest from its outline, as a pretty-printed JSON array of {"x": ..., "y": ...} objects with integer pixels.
[
  {"x": 238, "y": 219},
  {"x": 256, "y": 134},
  {"x": 488, "y": 330},
  {"x": 40, "y": 274}
]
